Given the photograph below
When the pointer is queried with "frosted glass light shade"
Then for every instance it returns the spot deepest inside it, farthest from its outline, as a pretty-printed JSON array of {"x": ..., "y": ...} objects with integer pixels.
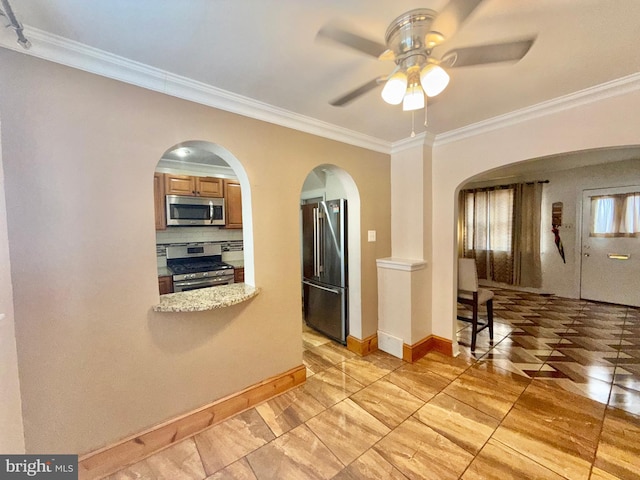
[
  {"x": 433, "y": 79},
  {"x": 413, "y": 98},
  {"x": 393, "y": 91}
]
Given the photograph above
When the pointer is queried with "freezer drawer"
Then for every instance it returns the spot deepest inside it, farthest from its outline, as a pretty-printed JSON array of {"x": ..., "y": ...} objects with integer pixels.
[{"x": 325, "y": 309}]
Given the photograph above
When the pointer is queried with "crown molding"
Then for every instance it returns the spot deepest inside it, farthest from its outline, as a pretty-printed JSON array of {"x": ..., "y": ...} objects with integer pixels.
[
  {"x": 407, "y": 143},
  {"x": 77, "y": 55},
  {"x": 620, "y": 86},
  {"x": 420, "y": 140}
]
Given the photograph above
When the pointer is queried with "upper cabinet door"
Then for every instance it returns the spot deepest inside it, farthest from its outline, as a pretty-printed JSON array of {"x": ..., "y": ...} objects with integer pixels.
[
  {"x": 209, "y": 187},
  {"x": 180, "y": 185},
  {"x": 194, "y": 186},
  {"x": 233, "y": 204},
  {"x": 158, "y": 200}
]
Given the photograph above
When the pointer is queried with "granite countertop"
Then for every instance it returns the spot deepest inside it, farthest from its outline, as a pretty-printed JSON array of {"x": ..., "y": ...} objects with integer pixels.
[
  {"x": 206, "y": 298},
  {"x": 235, "y": 263},
  {"x": 164, "y": 272}
]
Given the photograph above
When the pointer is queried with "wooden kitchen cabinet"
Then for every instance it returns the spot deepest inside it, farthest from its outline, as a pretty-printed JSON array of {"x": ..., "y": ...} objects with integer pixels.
[
  {"x": 233, "y": 204},
  {"x": 210, "y": 187},
  {"x": 165, "y": 284},
  {"x": 180, "y": 185},
  {"x": 194, "y": 186},
  {"x": 158, "y": 201},
  {"x": 238, "y": 275}
]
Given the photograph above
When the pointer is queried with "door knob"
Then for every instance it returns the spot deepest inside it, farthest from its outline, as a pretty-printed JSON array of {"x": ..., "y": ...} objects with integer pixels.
[{"x": 587, "y": 255}]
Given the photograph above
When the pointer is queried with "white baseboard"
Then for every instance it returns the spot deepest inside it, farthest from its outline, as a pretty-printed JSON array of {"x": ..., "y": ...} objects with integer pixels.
[{"x": 390, "y": 344}]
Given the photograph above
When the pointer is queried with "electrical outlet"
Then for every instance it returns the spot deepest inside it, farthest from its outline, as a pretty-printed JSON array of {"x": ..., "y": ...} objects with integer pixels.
[{"x": 371, "y": 235}]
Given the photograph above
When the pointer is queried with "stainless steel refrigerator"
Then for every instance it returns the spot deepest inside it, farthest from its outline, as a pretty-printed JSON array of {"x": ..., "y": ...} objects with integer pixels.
[{"x": 324, "y": 267}]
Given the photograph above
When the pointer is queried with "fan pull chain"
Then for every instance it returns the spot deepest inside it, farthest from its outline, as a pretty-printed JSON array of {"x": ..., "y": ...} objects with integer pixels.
[
  {"x": 413, "y": 130},
  {"x": 426, "y": 121}
]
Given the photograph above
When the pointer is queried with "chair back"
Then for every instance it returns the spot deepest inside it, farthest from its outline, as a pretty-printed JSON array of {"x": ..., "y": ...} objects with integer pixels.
[{"x": 467, "y": 275}]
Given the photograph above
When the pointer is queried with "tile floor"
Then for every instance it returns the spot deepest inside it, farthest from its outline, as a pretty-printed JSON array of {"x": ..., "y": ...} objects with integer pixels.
[
  {"x": 592, "y": 349},
  {"x": 523, "y": 409}
]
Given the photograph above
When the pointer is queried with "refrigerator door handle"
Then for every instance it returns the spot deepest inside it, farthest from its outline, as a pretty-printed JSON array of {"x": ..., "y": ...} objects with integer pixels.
[
  {"x": 320, "y": 243},
  {"x": 321, "y": 288},
  {"x": 315, "y": 243}
]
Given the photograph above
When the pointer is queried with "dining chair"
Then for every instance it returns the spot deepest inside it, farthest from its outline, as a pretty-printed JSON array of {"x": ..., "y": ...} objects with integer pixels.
[{"x": 470, "y": 294}]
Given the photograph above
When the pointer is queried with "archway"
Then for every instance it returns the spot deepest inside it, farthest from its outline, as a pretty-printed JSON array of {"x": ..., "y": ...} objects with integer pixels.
[
  {"x": 327, "y": 182},
  {"x": 207, "y": 158},
  {"x": 569, "y": 174}
]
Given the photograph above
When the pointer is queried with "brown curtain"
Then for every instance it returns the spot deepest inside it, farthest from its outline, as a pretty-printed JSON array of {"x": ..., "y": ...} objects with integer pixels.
[
  {"x": 488, "y": 226},
  {"x": 527, "y": 271},
  {"x": 500, "y": 228}
]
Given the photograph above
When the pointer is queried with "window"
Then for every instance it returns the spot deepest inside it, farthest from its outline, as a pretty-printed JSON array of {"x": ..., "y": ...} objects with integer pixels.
[
  {"x": 615, "y": 215},
  {"x": 488, "y": 231},
  {"x": 489, "y": 219},
  {"x": 501, "y": 231}
]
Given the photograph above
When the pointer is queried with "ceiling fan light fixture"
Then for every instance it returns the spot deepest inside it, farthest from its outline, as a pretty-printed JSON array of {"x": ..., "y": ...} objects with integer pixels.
[
  {"x": 394, "y": 89},
  {"x": 413, "y": 98},
  {"x": 433, "y": 39},
  {"x": 433, "y": 79}
]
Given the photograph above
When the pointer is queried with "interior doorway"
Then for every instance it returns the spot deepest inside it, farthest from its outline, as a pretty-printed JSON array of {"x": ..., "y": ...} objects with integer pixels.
[
  {"x": 610, "y": 265},
  {"x": 324, "y": 184}
]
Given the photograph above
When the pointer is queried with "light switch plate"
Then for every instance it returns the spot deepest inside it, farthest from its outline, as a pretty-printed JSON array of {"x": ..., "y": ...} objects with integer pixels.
[{"x": 371, "y": 235}]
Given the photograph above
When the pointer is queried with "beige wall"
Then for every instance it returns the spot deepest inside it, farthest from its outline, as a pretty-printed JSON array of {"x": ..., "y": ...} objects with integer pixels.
[
  {"x": 11, "y": 430},
  {"x": 604, "y": 123},
  {"x": 95, "y": 362}
]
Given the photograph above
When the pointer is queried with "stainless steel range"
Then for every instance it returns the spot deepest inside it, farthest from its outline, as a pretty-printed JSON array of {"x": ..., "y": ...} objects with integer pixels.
[{"x": 197, "y": 266}]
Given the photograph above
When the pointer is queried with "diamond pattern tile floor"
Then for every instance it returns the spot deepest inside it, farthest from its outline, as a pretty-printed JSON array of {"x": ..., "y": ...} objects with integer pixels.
[
  {"x": 588, "y": 348},
  {"x": 556, "y": 396}
]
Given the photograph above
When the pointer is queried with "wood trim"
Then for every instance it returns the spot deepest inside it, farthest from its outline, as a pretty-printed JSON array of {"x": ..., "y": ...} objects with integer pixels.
[
  {"x": 363, "y": 347},
  {"x": 233, "y": 203},
  {"x": 159, "y": 201},
  {"x": 110, "y": 459},
  {"x": 412, "y": 353}
]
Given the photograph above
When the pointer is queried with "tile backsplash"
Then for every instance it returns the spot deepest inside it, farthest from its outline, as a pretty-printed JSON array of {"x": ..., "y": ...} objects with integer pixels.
[
  {"x": 196, "y": 235},
  {"x": 229, "y": 240}
]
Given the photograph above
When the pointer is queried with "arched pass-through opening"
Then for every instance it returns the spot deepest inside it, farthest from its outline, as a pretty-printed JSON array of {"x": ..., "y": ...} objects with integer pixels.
[
  {"x": 218, "y": 161},
  {"x": 328, "y": 182}
]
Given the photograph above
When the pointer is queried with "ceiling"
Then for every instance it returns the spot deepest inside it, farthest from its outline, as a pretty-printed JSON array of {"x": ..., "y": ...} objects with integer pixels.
[{"x": 266, "y": 50}]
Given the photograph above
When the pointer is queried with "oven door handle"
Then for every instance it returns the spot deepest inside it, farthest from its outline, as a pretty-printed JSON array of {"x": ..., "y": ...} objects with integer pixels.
[{"x": 203, "y": 281}]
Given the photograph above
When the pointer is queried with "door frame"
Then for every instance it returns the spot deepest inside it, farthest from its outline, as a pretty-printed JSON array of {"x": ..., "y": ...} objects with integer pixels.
[{"x": 580, "y": 237}]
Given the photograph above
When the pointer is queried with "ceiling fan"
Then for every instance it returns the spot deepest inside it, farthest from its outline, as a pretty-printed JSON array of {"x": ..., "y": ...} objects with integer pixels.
[{"x": 410, "y": 42}]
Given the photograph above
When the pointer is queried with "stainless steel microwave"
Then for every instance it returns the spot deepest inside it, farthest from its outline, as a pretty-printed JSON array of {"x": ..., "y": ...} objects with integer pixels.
[{"x": 194, "y": 211}]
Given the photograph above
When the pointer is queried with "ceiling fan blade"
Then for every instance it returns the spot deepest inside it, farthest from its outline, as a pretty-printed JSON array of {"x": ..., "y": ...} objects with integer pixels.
[
  {"x": 352, "y": 95},
  {"x": 450, "y": 18},
  {"x": 483, "y": 54},
  {"x": 351, "y": 40}
]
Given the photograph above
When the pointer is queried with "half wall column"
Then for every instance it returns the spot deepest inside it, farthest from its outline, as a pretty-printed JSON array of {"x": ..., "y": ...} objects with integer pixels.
[{"x": 404, "y": 279}]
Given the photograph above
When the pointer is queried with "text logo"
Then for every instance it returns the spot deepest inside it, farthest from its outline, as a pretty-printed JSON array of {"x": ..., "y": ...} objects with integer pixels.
[{"x": 39, "y": 467}]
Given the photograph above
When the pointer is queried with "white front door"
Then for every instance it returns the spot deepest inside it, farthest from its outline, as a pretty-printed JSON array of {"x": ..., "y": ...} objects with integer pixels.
[{"x": 610, "y": 265}]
